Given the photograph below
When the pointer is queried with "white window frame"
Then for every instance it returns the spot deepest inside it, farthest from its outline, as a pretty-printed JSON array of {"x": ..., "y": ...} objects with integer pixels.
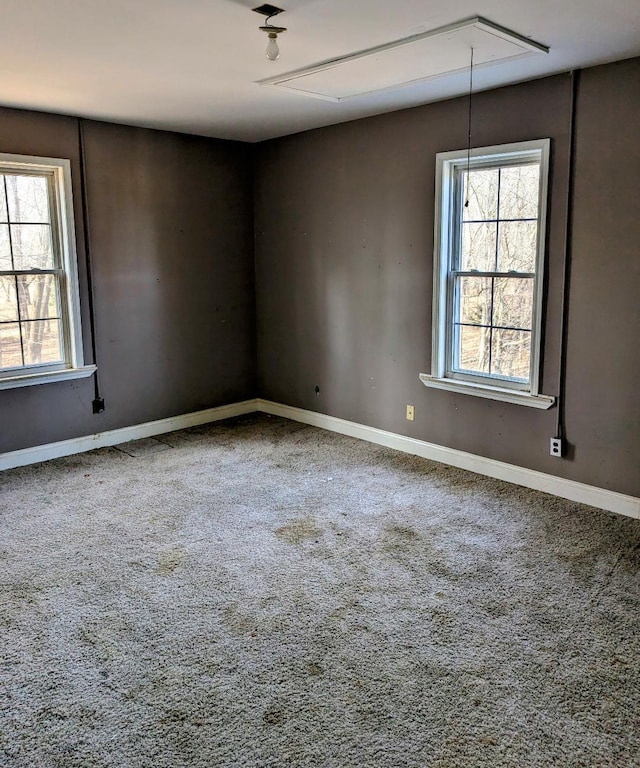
[
  {"x": 445, "y": 238},
  {"x": 64, "y": 242}
]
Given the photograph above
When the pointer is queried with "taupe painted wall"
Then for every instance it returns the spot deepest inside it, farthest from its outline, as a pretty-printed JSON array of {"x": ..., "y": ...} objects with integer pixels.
[
  {"x": 344, "y": 245},
  {"x": 172, "y": 235},
  {"x": 603, "y": 375},
  {"x": 344, "y": 241}
]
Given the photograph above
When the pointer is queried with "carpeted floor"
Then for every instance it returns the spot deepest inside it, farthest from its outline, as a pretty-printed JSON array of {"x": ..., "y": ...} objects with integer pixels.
[{"x": 261, "y": 593}]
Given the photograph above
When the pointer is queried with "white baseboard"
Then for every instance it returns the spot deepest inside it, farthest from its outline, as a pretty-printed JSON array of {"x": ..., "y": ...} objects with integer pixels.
[
  {"x": 123, "y": 435},
  {"x": 529, "y": 478}
]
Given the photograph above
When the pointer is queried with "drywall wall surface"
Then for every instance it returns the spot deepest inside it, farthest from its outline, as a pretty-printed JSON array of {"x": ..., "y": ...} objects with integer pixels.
[
  {"x": 344, "y": 257},
  {"x": 603, "y": 363},
  {"x": 170, "y": 218}
]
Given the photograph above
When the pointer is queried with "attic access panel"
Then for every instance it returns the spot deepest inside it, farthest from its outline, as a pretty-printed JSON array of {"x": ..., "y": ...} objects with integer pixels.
[{"x": 408, "y": 61}]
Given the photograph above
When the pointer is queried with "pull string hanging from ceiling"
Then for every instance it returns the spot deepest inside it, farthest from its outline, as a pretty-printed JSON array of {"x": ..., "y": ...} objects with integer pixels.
[
  {"x": 269, "y": 11},
  {"x": 466, "y": 203}
]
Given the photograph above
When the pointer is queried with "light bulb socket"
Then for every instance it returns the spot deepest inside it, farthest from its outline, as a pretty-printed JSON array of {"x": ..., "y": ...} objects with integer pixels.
[{"x": 272, "y": 31}]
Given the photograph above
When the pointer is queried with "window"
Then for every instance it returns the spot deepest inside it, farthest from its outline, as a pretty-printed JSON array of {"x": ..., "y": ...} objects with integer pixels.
[
  {"x": 488, "y": 269},
  {"x": 40, "y": 337}
]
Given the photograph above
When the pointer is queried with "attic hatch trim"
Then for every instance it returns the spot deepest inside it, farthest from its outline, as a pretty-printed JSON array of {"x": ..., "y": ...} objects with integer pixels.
[{"x": 527, "y": 45}]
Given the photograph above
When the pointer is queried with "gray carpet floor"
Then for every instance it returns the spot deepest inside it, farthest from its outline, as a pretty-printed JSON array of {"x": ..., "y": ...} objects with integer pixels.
[{"x": 263, "y": 593}]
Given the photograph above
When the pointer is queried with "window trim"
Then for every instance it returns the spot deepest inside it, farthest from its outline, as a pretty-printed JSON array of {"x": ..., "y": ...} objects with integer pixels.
[
  {"x": 444, "y": 240},
  {"x": 64, "y": 238}
]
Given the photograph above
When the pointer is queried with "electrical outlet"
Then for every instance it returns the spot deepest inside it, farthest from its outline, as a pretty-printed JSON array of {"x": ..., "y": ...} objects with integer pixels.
[
  {"x": 410, "y": 413},
  {"x": 556, "y": 447}
]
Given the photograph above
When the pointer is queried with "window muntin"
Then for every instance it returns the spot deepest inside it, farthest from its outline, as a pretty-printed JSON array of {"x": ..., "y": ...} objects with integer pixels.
[
  {"x": 488, "y": 266},
  {"x": 39, "y": 302}
]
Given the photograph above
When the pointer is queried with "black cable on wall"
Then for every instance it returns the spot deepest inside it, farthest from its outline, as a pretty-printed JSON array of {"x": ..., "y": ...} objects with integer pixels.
[
  {"x": 98, "y": 402},
  {"x": 566, "y": 273}
]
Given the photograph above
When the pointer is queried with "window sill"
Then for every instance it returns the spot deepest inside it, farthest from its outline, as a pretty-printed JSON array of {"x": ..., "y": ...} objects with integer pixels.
[
  {"x": 28, "y": 380},
  {"x": 492, "y": 393}
]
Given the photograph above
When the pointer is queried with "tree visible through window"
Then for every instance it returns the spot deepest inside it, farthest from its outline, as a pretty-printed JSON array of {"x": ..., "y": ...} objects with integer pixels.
[
  {"x": 494, "y": 271},
  {"x": 30, "y": 310}
]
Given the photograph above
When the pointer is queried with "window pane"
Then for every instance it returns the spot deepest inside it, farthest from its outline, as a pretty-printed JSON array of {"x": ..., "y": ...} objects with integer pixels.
[
  {"x": 478, "y": 248},
  {"x": 41, "y": 340},
  {"x": 517, "y": 247},
  {"x": 519, "y": 192},
  {"x": 28, "y": 199},
  {"x": 3, "y": 202},
  {"x": 513, "y": 302},
  {"x": 472, "y": 353},
  {"x": 474, "y": 300},
  {"x": 511, "y": 353},
  {"x": 5, "y": 247},
  {"x": 8, "y": 301},
  {"x": 32, "y": 246},
  {"x": 10, "y": 351},
  {"x": 38, "y": 297},
  {"x": 482, "y": 195}
]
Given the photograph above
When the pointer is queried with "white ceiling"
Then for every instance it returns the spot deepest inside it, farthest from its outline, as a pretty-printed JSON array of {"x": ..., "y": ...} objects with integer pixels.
[{"x": 192, "y": 65}]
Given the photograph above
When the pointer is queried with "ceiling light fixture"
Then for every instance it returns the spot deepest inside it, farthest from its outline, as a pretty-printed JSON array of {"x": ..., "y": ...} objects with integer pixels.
[{"x": 273, "y": 51}]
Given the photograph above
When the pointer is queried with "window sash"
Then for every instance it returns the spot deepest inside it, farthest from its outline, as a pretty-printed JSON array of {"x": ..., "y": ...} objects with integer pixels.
[
  {"x": 21, "y": 321},
  {"x": 454, "y": 369}
]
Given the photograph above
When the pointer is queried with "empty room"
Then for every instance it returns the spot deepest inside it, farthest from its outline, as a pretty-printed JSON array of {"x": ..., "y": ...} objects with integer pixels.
[{"x": 320, "y": 384}]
